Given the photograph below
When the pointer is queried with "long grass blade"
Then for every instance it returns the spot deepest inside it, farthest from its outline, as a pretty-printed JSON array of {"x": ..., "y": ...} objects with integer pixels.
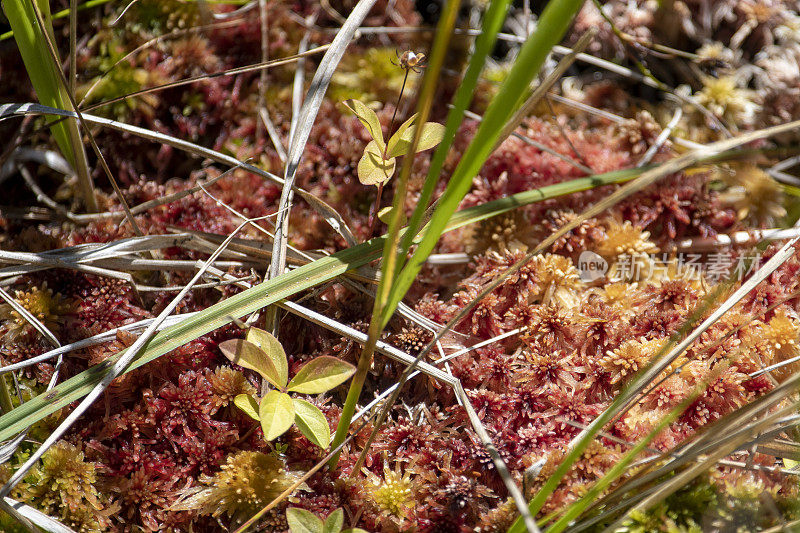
[
  {"x": 390, "y": 256},
  {"x": 552, "y": 25},
  {"x": 492, "y": 23},
  {"x": 31, "y": 38}
]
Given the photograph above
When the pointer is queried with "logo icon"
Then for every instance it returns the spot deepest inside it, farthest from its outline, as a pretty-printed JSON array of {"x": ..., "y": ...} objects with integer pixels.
[{"x": 591, "y": 266}]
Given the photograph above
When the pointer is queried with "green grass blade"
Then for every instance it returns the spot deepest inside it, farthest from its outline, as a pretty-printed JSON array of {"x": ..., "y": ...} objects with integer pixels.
[
  {"x": 30, "y": 42},
  {"x": 552, "y": 25},
  {"x": 492, "y": 23},
  {"x": 62, "y": 14},
  {"x": 391, "y": 262},
  {"x": 32, "y": 45}
]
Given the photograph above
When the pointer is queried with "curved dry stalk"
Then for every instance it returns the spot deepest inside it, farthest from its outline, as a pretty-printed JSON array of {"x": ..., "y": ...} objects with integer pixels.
[
  {"x": 331, "y": 216},
  {"x": 229, "y": 72},
  {"x": 151, "y": 42},
  {"x": 123, "y": 12},
  {"x": 305, "y": 121},
  {"x": 677, "y": 456}
]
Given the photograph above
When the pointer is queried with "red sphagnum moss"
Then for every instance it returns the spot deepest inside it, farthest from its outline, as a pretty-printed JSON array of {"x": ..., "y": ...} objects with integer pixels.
[{"x": 165, "y": 448}]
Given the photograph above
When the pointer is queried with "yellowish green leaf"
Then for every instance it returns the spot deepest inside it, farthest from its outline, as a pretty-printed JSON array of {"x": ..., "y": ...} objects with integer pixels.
[
  {"x": 272, "y": 347},
  {"x": 372, "y": 168},
  {"x": 432, "y": 134},
  {"x": 276, "y": 413},
  {"x": 399, "y": 133},
  {"x": 369, "y": 119},
  {"x": 302, "y": 521},
  {"x": 248, "y": 404},
  {"x": 312, "y": 423},
  {"x": 320, "y": 375},
  {"x": 334, "y": 522},
  {"x": 245, "y": 353},
  {"x": 385, "y": 214}
]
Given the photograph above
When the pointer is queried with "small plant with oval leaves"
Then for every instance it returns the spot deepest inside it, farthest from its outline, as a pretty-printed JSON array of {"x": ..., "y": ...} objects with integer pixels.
[
  {"x": 378, "y": 163},
  {"x": 277, "y": 410},
  {"x": 302, "y": 521}
]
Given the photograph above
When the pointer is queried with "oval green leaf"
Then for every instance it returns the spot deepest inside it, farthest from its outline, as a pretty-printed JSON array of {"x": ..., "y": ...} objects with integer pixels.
[
  {"x": 399, "y": 133},
  {"x": 334, "y": 522},
  {"x": 432, "y": 134},
  {"x": 385, "y": 216},
  {"x": 245, "y": 353},
  {"x": 272, "y": 347},
  {"x": 369, "y": 119},
  {"x": 276, "y": 413},
  {"x": 248, "y": 404},
  {"x": 312, "y": 423},
  {"x": 302, "y": 521},
  {"x": 320, "y": 375},
  {"x": 372, "y": 168}
]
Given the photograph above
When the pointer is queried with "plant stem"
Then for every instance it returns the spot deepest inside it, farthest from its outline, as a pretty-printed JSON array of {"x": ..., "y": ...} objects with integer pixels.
[
  {"x": 31, "y": 34},
  {"x": 391, "y": 259},
  {"x": 373, "y": 212},
  {"x": 394, "y": 116},
  {"x": 376, "y": 207}
]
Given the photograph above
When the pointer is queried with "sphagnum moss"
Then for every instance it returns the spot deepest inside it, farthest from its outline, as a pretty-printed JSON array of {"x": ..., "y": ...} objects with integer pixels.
[
  {"x": 247, "y": 482},
  {"x": 166, "y": 427},
  {"x": 65, "y": 485}
]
